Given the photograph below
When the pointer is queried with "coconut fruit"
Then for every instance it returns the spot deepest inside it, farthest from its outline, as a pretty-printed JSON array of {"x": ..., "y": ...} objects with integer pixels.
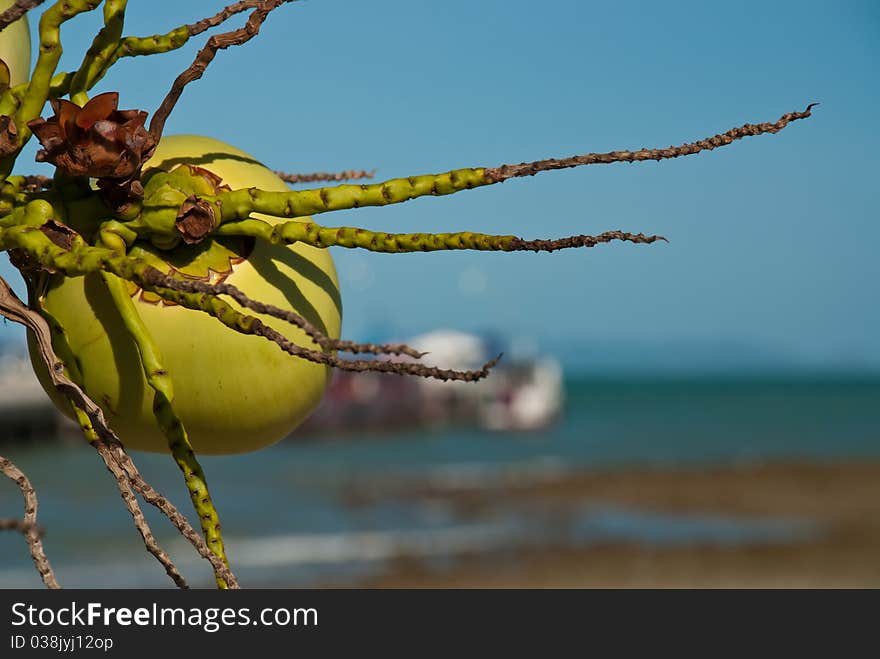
[{"x": 234, "y": 393}]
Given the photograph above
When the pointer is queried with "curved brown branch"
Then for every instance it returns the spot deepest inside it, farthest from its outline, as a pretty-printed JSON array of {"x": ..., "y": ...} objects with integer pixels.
[
  {"x": 29, "y": 524},
  {"x": 16, "y": 11},
  {"x": 347, "y": 175},
  {"x": 221, "y": 16},
  {"x": 504, "y": 172},
  {"x": 206, "y": 55}
]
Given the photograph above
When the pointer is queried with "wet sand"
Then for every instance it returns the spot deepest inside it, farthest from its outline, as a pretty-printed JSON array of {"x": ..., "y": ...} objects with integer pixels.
[{"x": 841, "y": 500}]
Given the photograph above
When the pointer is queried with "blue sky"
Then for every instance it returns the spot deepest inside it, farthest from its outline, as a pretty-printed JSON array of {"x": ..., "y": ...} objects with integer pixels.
[{"x": 772, "y": 240}]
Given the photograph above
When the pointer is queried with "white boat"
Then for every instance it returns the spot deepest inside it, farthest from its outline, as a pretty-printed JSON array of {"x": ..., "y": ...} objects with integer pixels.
[{"x": 520, "y": 394}]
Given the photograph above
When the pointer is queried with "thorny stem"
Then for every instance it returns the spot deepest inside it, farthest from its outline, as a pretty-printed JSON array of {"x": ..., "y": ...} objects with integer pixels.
[
  {"x": 29, "y": 524},
  {"x": 81, "y": 259}
]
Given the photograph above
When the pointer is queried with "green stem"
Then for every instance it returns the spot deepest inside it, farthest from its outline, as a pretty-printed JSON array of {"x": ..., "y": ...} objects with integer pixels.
[
  {"x": 135, "y": 47},
  {"x": 239, "y": 204},
  {"x": 12, "y": 98},
  {"x": 98, "y": 66},
  {"x": 316, "y": 235},
  {"x": 104, "y": 45}
]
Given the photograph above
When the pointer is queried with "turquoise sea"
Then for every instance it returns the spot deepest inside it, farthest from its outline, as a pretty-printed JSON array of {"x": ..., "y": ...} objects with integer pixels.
[{"x": 312, "y": 511}]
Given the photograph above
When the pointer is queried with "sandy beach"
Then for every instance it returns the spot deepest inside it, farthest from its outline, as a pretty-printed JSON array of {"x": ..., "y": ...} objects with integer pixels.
[{"x": 841, "y": 501}]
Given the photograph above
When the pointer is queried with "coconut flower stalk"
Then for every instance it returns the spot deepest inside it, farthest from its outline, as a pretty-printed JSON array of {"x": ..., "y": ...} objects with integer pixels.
[{"x": 234, "y": 262}]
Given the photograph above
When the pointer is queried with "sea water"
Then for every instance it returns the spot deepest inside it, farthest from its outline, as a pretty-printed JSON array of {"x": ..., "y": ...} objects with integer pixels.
[{"x": 315, "y": 510}]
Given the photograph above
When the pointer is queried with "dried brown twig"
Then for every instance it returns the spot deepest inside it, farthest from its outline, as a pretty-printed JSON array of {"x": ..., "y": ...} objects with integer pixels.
[
  {"x": 28, "y": 525},
  {"x": 221, "y": 16},
  {"x": 206, "y": 55},
  {"x": 498, "y": 174},
  {"x": 16, "y": 11},
  {"x": 582, "y": 241}
]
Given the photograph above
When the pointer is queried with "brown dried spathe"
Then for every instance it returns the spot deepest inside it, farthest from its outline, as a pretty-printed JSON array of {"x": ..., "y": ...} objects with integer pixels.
[{"x": 96, "y": 140}]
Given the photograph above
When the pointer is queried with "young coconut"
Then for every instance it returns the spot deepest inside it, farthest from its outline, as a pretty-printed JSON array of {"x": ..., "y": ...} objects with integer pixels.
[{"x": 233, "y": 392}]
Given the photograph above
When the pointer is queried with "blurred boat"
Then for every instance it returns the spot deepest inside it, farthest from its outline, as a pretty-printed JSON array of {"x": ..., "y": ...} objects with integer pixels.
[{"x": 521, "y": 394}]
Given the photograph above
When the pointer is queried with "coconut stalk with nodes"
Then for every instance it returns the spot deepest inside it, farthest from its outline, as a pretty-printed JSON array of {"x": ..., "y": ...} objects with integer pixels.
[{"x": 181, "y": 297}]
